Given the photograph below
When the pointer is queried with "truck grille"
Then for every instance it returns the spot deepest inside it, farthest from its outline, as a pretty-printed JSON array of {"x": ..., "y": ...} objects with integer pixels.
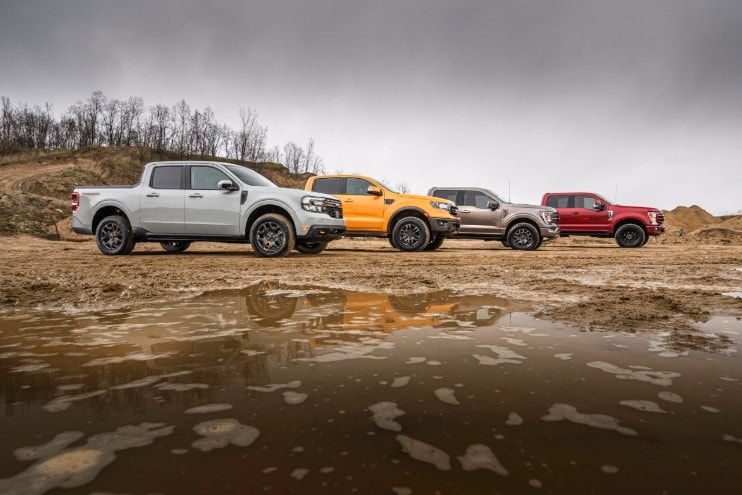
[
  {"x": 454, "y": 210},
  {"x": 334, "y": 207},
  {"x": 660, "y": 218}
]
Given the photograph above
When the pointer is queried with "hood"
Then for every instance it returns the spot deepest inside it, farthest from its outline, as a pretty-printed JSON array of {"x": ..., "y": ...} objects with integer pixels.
[
  {"x": 639, "y": 209},
  {"x": 423, "y": 198},
  {"x": 528, "y": 207}
]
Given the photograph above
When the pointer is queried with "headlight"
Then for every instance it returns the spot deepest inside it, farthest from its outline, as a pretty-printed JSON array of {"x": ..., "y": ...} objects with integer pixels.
[
  {"x": 316, "y": 205},
  {"x": 549, "y": 216},
  {"x": 440, "y": 205},
  {"x": 653, "y": 217}
]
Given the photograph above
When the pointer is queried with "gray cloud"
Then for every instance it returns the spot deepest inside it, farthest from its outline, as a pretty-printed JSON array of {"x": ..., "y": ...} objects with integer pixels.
[{"x": 642, "y": 97}]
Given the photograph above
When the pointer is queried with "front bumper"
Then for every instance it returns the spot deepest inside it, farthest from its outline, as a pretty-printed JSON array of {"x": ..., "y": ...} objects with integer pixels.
[
  {"x": 549, "y": 232},
  {"x": 322, "y": 233},
  {"x": 445, "y": 226},
  {"x": 655, "y": 229}
]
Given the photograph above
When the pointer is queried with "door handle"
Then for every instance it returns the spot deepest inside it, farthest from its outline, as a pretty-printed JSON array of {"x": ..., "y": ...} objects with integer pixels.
[
  {"x": 348, "y": 201},
  {"x": 464, "y": 211},
  {"x": 575, "y": 213},
  {"x": 197, "y": 195},
  {"x": 153, "y": 195}
]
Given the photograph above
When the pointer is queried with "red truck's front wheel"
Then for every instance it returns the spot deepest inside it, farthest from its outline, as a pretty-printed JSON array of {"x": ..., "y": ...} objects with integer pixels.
[{"x": 630, "y": 235}]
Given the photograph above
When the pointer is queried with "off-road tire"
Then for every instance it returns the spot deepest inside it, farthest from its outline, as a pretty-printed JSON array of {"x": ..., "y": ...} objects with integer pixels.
[
  {"x": 311, "y": 247},
  {"x": 411, "y": 234},
  {"x": 630, "y": 235},
  {"x": 175, "y": 246},
  {"x": 391, "y": 242},
  {"x": 524, "y": 237},
  {"x": 435, "y": 243},
  {"x": 113, "y": 236},
  {"x": 272, "y": 236},
  {"x": 505, "y": 243}
]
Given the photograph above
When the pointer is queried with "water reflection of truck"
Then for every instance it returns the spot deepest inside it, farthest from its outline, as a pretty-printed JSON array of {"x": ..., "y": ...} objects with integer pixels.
[{"x": 321, "y": 309}]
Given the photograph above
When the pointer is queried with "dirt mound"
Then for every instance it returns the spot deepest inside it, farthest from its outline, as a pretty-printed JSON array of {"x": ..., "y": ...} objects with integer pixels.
[
  {"x": 717, "y": 234},
  {"x": 688, "y": 218},
  {"x": 62, "y": 231},
  {"x": 734, "y": 223}
]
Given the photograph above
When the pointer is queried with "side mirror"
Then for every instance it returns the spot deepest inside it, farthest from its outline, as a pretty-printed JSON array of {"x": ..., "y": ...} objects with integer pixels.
[
  {"x": 598, "y": 206},
  {"x": 374, "y": 190},
  {"x": 227, "y": 185},
  {"x": 493, "y": 205}
]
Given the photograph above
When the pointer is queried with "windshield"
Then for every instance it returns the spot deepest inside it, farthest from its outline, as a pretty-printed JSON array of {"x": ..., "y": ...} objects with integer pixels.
[
  {"x": 387, "y": 187},
  {"x": 496, "y": 196},
  {"x": 250, "y": 177}
]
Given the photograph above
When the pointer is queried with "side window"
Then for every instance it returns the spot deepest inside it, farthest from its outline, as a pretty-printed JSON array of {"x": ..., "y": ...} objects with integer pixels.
[
  {"x": 446, "y": 194},
  {"x": 357, "y": 187},
  {"x": 475, "y": 199},
  {"x": 166, "y": 177},
  {"x": 330, "y": 185},
  {"x": 558, "y": 201},
  {"x": 587, "y": 202},
  {"x": 206, "y": 177}
]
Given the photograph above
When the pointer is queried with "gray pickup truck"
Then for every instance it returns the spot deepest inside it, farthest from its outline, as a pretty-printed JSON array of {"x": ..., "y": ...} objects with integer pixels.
[
  {"x": 176, "y": 203},
  {"x": 486, "y": 216}
]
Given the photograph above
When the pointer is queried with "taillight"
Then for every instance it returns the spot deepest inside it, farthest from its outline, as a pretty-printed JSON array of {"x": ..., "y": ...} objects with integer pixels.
[{"x": 75, "y": 201}]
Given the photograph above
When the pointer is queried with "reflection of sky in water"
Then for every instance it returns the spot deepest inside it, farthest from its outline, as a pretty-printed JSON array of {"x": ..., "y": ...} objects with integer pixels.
[{"x": 292, "y": 390}]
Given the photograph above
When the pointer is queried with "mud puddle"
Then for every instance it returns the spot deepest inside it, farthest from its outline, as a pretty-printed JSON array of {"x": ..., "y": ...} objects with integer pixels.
[{"x": 292, "y": 390}]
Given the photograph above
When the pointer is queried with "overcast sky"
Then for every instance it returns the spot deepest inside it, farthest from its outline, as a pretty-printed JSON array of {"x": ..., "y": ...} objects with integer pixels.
[{"x": 640, "y": 100}]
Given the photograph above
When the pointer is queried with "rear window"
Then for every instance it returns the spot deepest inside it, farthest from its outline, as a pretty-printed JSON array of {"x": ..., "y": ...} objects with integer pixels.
[
  {"x": 166, "y": 177},
  {"x": 329, "y": 185},
  {"x": 448, "y": 194},
  {"x": 558, "y": 201}
]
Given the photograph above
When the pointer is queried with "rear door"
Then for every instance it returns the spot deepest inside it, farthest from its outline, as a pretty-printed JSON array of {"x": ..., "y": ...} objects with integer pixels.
[
  {"x": 162, "y": 200},
  {"x": 210, "y": 210},
  {"x": 568, "y": 214}
]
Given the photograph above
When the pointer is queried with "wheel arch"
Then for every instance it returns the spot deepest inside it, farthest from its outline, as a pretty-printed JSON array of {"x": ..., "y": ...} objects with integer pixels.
[
  {"x": 626, "y": 221},
  {"x": 403, "y": 213},
  {"x": 107, "y": 211},
  {"x": 518, "y": 220},
  {"x": 264, "y": 209}
]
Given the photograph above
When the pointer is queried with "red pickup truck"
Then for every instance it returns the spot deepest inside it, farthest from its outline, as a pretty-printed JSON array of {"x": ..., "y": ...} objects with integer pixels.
[{"x": 585, "y": 213}]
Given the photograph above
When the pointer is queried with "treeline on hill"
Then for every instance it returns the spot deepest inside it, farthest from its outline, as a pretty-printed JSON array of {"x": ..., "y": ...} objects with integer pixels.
[{"x": 100, "y": 121}]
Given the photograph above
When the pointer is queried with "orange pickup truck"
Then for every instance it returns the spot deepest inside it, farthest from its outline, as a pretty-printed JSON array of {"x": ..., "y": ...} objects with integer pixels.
[{"x": 371, "y": 209}]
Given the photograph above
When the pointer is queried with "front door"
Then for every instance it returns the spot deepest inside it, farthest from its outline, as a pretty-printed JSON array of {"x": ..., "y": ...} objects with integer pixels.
[
  {"x": 210, "y": 210},
  {"x": 477, "y": 218}
]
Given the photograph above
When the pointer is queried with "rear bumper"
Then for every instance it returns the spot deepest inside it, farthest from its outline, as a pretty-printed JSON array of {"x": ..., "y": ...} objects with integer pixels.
[
  {"x": 445, "y": 226},
  {"x": 79, "y": 228}
]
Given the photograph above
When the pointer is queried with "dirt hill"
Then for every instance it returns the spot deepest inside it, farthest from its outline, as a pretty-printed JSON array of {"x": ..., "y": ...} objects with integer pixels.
[
  {"x": 694, "y": 224},
  {"x": 35, "y": 188}
]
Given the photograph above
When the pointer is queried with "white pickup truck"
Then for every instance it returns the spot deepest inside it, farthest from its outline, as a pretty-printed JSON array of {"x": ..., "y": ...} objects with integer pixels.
[{"x": 176, "y": 203}]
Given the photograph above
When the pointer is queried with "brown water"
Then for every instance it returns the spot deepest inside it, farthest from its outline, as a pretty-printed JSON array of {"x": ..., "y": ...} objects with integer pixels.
[{"x": 299, "y": 390}]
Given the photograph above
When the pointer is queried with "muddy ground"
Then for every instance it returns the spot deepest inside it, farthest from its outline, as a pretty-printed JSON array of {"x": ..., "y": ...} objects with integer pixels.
[{"x": 590, "y": 284}]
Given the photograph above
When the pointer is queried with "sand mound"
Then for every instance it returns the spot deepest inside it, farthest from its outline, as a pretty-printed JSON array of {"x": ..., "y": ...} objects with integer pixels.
[
  {"x": 63, "y": 229},
  {"x": 688, "y": 218},
  {"x": 734, "y": 223},
  {"x": 717, "y": 235}
]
